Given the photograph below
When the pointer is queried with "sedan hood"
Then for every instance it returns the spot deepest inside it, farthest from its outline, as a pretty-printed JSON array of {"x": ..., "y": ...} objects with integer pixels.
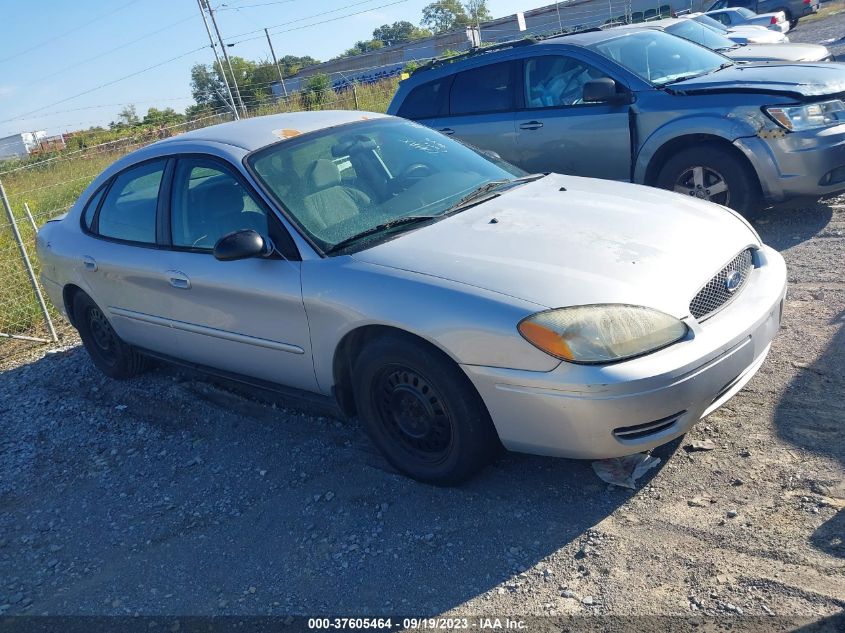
[
  {"x": 565, "y": 240},
  {"x": 759, "y": 34},
  {"x": 795, "y": 80},
  {"x": 778, "y": 52}
]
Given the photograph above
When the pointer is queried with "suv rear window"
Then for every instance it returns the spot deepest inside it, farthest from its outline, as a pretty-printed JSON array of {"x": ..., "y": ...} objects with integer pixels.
[
  {"x": 485, "y": 89},
  {"x": 428, "y": 100}
]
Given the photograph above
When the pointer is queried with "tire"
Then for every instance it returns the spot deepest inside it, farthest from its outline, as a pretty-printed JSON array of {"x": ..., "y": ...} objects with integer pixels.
[
  {"x": 422, "y": 412},
  {"x": 109, "y": 353},
  {"x": 700, "y": 171}
]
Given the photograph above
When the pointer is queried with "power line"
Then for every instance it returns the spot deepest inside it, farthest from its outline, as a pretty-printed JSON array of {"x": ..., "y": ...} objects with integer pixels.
[
  {"x": 112, "y": 50},
  {"x": 104, "y": 85},
  {"x": 66, "y": 33}
]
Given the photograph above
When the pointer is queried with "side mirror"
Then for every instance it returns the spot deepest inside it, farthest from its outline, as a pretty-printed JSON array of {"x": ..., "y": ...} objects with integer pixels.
[
  {"x": 242, "y": 245},
  {"x": 603, "y": 91}
]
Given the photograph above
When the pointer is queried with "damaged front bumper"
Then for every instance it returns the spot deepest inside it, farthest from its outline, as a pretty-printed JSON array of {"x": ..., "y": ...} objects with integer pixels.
[{"x": 793, "y": 164}]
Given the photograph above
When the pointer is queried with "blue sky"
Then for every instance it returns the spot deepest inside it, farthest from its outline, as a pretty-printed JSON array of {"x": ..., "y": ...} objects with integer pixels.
[{"x": 53, "y": 50}]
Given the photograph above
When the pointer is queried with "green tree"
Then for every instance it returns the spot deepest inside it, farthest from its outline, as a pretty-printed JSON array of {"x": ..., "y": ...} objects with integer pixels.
[
  {"x": 291, "y": 64},
  {"x": 361, "y": 47},
  {"x": 207, "y": 86},
  {"x": 157, "y": 117},
  {"x": 477, "y": 11},
  {"x": 317, "y": 91},
  {"x": 445, "y": 15},
  {"x": 399, "y": 33},
  {"x": 128, "y": 116}
]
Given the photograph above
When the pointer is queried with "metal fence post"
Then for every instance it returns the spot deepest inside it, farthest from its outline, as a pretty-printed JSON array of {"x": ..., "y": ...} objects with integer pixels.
[
  {"x": 32, "y": 279},
  {"x": 355, "y": 94},
  {"x": 29, "y": 216}
]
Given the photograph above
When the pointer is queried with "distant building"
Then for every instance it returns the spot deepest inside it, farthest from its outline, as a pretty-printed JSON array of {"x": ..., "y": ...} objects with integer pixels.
[
  {"x": 21, "y": 145},
  {"x": 378, "y": 64}
]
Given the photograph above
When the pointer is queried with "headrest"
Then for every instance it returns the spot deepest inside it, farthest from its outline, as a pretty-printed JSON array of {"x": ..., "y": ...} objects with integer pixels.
[
  {"x": 221, "y": 199},
  {"x": 323, "y": 174}
]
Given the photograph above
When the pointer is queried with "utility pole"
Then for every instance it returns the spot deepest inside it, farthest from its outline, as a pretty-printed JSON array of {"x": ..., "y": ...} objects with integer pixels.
[
  {"x": 276, "y": 62},
  {"x": 225, "y": 56},
  {"x": 231, "y": 101}
]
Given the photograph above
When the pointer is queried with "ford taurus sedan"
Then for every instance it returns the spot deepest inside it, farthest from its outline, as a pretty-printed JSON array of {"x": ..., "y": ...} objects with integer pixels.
[{"x": 451, "y": 301}]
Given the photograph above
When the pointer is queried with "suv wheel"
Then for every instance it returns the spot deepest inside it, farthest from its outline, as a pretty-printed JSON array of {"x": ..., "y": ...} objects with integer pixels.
[
  {"x": 107, "y": 350},
  {"x": 422, "y": 412},
  {"x": 711, "y": 173}
]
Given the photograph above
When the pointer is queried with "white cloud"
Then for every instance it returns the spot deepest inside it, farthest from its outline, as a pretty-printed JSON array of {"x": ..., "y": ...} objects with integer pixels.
[{"x": 5, "y": 91}]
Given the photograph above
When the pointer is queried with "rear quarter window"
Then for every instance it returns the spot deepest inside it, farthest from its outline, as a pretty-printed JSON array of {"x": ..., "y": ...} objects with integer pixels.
[
  {"x": 486, "y": 89},
  {"x": 428, "y": 100}
]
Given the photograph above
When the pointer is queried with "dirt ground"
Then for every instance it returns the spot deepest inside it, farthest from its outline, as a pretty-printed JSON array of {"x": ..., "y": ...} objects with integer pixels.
[{"x": 172, "y": 495}]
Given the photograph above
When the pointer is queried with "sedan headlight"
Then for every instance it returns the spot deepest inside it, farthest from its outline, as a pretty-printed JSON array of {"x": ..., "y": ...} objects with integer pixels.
[
  {"x": 602, "y": 333},
  {"x": 808, "y": 116}
]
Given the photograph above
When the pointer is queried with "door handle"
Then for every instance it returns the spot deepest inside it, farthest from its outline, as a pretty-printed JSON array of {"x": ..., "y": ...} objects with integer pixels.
[
  {"x": 447, "y": 131},
  {"x": 531, "y": 125},
  {"x": 90, "y": 263},
  {"x": 178, "y": 279}
]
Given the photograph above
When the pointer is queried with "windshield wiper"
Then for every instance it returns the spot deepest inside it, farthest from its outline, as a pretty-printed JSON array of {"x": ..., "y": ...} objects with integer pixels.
[
  {"x": 379, "y": 228},
  {"x": 694, "y": 75},
  {"x": 480, "y": 193}
]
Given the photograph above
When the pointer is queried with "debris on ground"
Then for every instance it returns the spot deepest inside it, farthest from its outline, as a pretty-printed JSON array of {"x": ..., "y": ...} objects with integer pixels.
[
  {"x": 624, "y": 471},
  {"x": 701, "y": 445}
]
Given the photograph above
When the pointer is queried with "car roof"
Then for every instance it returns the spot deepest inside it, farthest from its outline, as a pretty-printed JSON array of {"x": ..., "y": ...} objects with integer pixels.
[
  {"x": 252, "y": 134},
  {"x": 651, "y": 24}
]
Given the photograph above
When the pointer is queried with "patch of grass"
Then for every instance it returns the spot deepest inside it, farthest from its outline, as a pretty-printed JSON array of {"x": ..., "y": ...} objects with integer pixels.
[{"x": 825, "y": 11}]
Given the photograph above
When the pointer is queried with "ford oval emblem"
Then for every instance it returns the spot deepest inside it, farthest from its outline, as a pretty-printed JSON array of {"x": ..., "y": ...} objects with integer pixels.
[{"x": 732, "y": 281}]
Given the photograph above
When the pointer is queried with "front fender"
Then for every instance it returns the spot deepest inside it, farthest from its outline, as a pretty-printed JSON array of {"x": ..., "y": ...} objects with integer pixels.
[
  {"x": 729, "y": 127},
  {"x": 471, "y": 325}
]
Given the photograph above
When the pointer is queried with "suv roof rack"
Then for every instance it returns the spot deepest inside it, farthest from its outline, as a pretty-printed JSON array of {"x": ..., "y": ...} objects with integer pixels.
[{"x": 482, "y": 50}]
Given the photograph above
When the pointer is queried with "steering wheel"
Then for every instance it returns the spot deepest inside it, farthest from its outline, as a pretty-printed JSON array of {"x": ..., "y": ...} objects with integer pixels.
[{"x": 413, "y": 172}]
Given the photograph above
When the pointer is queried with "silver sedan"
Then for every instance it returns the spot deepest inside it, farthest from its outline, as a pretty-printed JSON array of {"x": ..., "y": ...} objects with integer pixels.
[{"x": 451, "y": 301}]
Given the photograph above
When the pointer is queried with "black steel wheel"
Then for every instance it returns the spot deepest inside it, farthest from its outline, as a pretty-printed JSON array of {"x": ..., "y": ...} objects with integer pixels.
[
  {"x": 413, "y": 413},
  {"x": 421, "y": 411},
  {"x": 107, "y": 350}
]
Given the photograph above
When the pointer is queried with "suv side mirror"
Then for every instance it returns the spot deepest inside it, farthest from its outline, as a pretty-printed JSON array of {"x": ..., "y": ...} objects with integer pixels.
[
  {"x": 242, "y": 245},
  {"x": 603, "y": 91}
]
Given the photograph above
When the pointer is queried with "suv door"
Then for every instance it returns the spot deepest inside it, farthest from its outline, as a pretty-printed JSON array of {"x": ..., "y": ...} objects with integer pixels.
[
  {"x": 482, "y": 102},
  {"x": 243, "y": 316},
  {"x": 558, "y": 132}
]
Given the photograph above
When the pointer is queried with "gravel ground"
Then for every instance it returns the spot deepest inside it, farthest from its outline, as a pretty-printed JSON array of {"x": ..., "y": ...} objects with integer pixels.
[
  {"x": 169, "y": 494},
  {"x": 829, "y": 31}
]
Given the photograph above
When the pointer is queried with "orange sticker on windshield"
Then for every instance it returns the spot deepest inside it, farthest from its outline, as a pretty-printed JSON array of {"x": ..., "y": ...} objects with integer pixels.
[{"x": 286, "y": 133}]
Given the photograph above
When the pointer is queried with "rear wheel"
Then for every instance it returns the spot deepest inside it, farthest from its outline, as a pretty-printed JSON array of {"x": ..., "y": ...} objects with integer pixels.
[
  {"x": 711, "y": 173},
  {"x": 422, "y": 412},
  {"x": 109, "y": 353}
]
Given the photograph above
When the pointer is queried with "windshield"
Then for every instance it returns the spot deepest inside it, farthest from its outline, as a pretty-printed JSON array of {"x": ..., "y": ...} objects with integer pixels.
[
  {"x": 709, "y": 22},
  {"x": 658, "y": 57},
  {"x": 343, "y": 181},
  {"x": 700, "y": 34}
]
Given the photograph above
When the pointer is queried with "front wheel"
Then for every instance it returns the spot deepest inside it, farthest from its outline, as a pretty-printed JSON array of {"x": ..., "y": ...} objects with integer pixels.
[
  {"x": 107, "y": 350},
  {"x": 422, "y": 412},
  {"x": 714, "y": 174}
]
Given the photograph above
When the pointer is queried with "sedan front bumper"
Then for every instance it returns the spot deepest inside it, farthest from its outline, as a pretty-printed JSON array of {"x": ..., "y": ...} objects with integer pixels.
[
  {"x": 595, "y": 412},
  {"x": 795, "y": 164}
]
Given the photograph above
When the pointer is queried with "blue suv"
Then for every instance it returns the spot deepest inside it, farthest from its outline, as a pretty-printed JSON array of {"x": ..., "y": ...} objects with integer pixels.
[{"x": 643, "y": 106}]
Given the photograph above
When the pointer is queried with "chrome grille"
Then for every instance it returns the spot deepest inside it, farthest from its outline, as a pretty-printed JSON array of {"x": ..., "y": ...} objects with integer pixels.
[{"x": 715, "y": 294}]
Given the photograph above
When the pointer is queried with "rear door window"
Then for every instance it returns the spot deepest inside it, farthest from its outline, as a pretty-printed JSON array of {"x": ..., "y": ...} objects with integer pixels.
[
  {"x": 129, "y": 209},
  {"x": 427, "y": 101},
  {"x": 486, "y": 89},
  {"x": 554, "y": 81}
]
